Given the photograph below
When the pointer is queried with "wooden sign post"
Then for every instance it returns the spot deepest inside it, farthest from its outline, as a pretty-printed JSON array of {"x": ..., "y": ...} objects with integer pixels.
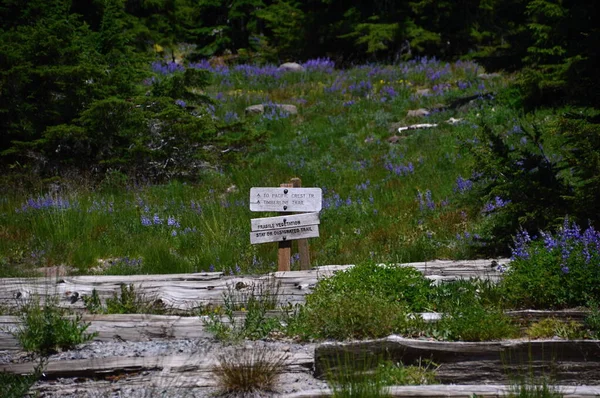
[{"x": 286, "y": 199}]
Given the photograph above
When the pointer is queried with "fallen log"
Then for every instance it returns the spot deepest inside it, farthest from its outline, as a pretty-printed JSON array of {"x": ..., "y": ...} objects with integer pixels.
[{"x": 569, "y": 361}]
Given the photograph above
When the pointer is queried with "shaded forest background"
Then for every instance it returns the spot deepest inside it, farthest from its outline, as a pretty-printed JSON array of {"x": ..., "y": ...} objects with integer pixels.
[{"x": 65, "y": 66}]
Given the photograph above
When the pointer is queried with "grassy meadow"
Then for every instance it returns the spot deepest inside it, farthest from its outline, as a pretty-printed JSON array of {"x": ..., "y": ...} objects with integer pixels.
[{"x": 383, "y": 201}]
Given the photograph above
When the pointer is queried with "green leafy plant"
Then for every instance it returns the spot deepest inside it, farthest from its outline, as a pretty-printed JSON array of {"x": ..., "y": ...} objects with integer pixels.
[
  {"x": 349, "y": 316},
  {"x": 475, "y": 322},
  {"x": 368, "y": 377},
  {"x": 252, "y": 302},
  {"x": 46, "y": 328},
  {"x": 127, "y": 301},
  {"x": 400, "y": 284},
  {"x": 249, "y": 370},
  {"x": 531, "y": 390},
  {"x": 592, "y": 321},
  {"x": 553, "y": 327},
  {"x": 17, "y": 386}
]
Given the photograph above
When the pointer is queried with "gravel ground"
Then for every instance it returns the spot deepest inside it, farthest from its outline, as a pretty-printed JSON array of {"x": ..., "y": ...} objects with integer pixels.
[{"x": 162, "y": 383}]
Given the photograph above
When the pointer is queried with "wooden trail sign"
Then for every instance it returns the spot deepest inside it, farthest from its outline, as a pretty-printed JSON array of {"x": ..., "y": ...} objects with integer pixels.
[
  {"x": 286, "y": 199},
  {"x": 282, "y": 228}
]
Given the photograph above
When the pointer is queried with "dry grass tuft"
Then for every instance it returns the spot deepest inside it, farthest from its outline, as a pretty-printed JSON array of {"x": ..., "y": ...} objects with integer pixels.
[{"x": 249, "y": 370}]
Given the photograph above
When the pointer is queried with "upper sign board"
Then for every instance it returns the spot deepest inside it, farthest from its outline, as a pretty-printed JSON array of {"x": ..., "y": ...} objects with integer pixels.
[{"x": 286, "y": 199}]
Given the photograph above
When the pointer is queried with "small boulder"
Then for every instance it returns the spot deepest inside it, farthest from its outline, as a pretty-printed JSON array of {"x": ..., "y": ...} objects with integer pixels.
[
  {"x": 291, "y": 109},
  {"x": 423, "y": 92},
  {"x": 260, "y": 109},
  {"x": 417, "y": 112},
  {"x": 292, "y": 67},
  {"x": 255, "y": 109}
]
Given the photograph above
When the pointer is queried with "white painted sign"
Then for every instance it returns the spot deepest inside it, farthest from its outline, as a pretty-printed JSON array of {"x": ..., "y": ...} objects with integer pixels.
[
  {"x": 286, "y": 199},
  {"x": 294, "y": 220},
  {"x": 280, "y": 235}
]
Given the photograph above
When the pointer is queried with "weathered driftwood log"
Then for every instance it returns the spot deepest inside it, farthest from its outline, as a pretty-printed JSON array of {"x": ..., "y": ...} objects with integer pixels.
[
  {"x": 459, "y": 391},
  {"x": 183, "y": 292},
  {"x": 143, "y": 327},
  {"x": 102, "y": 367},
  {"x": 568, "y": 361}
]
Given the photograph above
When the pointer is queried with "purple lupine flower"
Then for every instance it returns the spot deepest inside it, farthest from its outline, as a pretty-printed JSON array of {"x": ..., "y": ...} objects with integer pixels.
[
  {"x": 211, "y": 268},
  {"x": 463, "y": 185},
  {"x": 172, "y": 222},
  {"x": 146, "y": 221},
  {"x": 519, "y": 251},
  {"x": 230, "y": 117},
  {"x": 430, "y": 203},
  {"x": 156, "y": 220},
  {"x": 319, "y": 65},
  {"x": 181, "y": 103},
  {"x": 421, "y": 201}
]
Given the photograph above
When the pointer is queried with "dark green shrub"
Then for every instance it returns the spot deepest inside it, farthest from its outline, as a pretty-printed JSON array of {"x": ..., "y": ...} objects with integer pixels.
[{"x": 519, "y": 184}]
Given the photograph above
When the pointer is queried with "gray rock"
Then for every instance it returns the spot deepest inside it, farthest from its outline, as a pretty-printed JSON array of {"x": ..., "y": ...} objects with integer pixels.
[
  {"x": 417, "y": 112},
  {"x": 291, "y": 109},
  {"x": 255, "y": 109},
  {"x": 423, "y": 92},
  {"x": 292, "y": 67},
  {"x": 260, "y": 109}
]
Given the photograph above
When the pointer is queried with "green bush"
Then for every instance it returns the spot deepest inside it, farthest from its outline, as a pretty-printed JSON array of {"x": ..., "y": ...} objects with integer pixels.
[
  {"x": 365, "y": 301},
  {"x": 393, "y": 283},
  {"x": 46, "y": 328},
  {"x": 555, "y": 270},
  {"x": 474, "y": 322},
  {"x": 349, "y": 315},
  {"x": 552, "y": 327}
]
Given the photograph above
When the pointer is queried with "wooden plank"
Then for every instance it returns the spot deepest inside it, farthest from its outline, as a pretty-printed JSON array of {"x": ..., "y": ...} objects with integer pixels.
[
  {"x": 280, "y": 222},
  {"x": 286, "y": 199},
  {"x": 284, "y": 234}
]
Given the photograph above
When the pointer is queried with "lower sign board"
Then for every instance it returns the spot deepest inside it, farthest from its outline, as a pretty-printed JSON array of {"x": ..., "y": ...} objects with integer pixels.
[
  {"x": 280, "y": 235},
  {"x": 282, "y": 228}
]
